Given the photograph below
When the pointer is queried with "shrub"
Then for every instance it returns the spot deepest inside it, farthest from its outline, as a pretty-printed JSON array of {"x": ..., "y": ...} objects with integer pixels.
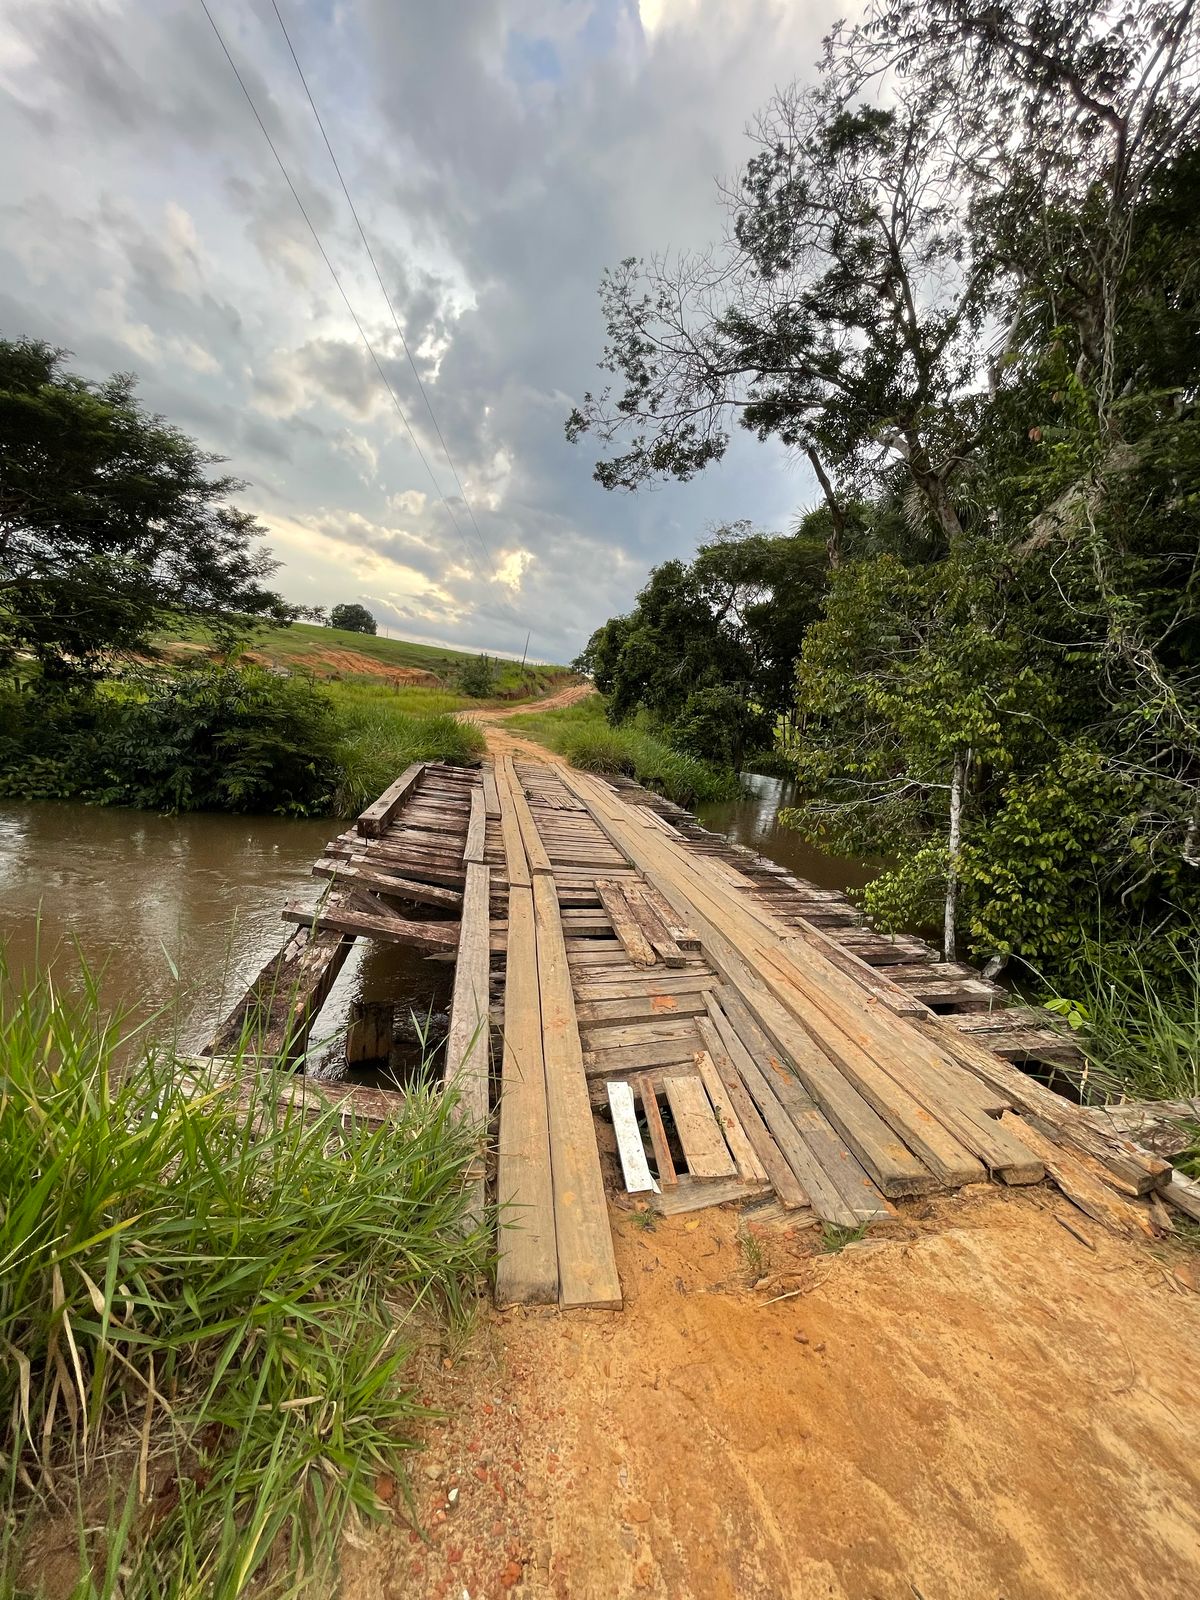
[
  {"x": 719, "y": 725},
  {"x": 477, "y": 677},
  {"x": 376, "y": 743}
]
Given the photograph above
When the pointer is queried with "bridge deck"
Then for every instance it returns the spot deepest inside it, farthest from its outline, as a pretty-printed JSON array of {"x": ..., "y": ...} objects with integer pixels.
[{"x": 640, "y": 1004}]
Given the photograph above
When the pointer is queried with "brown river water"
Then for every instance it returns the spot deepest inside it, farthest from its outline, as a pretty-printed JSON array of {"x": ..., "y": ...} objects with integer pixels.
[{"x": 175, "y": 915}]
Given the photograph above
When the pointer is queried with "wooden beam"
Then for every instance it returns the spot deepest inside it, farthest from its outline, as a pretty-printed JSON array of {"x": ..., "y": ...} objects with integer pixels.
[
  {"x": 431, "y": 936},
  {"x": 587, "y": 1267},
  {"x": 527, "y": 1270},
  {"x": 375, "y": 819}
]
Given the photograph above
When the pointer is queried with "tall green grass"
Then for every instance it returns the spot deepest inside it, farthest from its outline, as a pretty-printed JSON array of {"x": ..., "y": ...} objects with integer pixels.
[
  {"x": 582, "y": 734},
  {"x": 207, "y": 1304},
  {"x": 377, "y": 739},
  {"x": 1137, "y": 1008}
]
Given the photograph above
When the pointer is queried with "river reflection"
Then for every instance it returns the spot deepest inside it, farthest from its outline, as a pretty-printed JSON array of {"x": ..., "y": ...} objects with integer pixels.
[{"x": 754, "y": 821}]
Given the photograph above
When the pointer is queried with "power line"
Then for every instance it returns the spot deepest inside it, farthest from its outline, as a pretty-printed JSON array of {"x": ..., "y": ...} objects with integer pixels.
[
  {"x": 384, "y": 291},
  {"x": 332, "y": 270}
]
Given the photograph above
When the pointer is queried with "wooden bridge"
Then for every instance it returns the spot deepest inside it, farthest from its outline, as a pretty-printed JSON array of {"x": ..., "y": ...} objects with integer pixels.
[{"x": 641, "y": 1006}]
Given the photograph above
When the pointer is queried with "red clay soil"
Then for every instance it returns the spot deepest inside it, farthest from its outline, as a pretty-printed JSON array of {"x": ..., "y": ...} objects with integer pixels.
[{"x": 970, "y": 1404}]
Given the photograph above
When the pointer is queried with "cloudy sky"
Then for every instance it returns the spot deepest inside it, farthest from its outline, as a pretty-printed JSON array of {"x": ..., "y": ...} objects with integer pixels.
[{"x": 500, "y": 154}]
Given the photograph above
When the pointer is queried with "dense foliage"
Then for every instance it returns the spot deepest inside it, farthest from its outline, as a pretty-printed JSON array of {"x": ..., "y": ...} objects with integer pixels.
[
  {"x": 110, "y": 521},
  {"x": 353, "y": 617},
  {"x": 973, "y": 302},
  {"x": 204, "y": 739},
  {"x": 709, "y": 651},
  {"x": 478, "y": 677}
]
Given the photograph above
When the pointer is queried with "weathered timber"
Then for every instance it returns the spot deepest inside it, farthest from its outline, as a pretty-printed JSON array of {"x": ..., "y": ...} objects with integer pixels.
[{"x": 375, "y": 819}]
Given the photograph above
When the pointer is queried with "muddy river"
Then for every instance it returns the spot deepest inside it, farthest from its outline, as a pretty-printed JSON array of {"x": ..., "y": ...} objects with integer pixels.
[{"x": 175, "y": 915}]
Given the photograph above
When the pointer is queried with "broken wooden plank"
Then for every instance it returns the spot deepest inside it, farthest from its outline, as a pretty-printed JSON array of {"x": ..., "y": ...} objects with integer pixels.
[
  {"x": 698, "y": 1130},
  {"x": 629, "y": 1141},
  {"x": 658, "y": 1134},
  {"x": 375, "y": 819},
  {"x": 620, "y": 914},
  {"x": 433, "y": 936},
  {"x": 1081, "y": 1187},
  {"x": 783, "y": 1180},
  {"x": 748, "y": 1165},
  {"x": 274, "y": 1018},
  {"x": 359, "y": 871}
]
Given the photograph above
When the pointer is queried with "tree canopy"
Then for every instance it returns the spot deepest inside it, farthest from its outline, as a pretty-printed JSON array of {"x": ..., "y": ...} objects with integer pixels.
[
  {"x": 111, "y": 520},
  {"x": 961, "y": 274},
  {"x": 353, "y": 617}
]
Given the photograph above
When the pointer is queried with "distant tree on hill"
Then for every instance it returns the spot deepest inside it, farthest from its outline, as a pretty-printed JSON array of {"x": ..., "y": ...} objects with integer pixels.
[
  {"x": 354, "y": 618},
  {"x": 111, "y": 521}
]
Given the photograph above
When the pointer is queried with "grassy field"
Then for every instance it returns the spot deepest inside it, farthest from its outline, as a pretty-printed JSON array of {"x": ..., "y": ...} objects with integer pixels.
[
  {"x": 334, "y": 653},
  {"x": 582, "y": 733}
]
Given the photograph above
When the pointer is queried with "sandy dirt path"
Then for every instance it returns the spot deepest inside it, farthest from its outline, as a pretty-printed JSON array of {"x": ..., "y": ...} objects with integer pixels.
[{"x": 970, "y": 1405}]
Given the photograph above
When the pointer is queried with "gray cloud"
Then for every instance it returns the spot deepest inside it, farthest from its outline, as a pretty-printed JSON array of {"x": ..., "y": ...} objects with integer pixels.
[{"x": 501, "y": 152}]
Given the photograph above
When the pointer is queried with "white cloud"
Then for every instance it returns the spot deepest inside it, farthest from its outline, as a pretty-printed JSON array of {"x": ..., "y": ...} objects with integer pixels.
[{"x": 501, "y": 154}]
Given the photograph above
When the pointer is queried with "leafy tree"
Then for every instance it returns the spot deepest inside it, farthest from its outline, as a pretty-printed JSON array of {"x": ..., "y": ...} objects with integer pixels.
[
  {"x": 110, "y": 521},
  {"x": 354, "y": 618}
]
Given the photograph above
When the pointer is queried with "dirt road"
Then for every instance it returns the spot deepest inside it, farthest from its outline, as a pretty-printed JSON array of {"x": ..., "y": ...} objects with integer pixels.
[{"x": 970, "y": 1405}]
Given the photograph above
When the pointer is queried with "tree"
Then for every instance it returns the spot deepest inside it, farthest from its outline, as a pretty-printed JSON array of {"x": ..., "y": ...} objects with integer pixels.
[
  {"x": 844, "y": 315},
  {"x": 110, "y": 521},
  {"x": 353, "y": 618},
  {"x": 477, "y": 677}
]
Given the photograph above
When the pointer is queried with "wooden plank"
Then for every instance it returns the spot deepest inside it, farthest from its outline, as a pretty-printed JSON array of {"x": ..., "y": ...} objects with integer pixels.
[
  {"x": 697, "y": 1194},
  {"x": 375, "y": 819},
  {"x": 652, "y": 925},
  {"x": 821, "y": 1139},
  {"x": 784, "y": 1181},
  {"x": 667, "y": 1176},
  {"x": 629, "y": 1141},
  {"x": 587, "y": 1267},
  {"x": 1130, "y": 1169},
  {"x": 633, "y": 940},
  {"x": 519, "y": 876},
  {"x": 491, "y": 799},
  {"x": 468, "y": 1042},
  {"x": 527, "y": 1269},
  {"x": 599, "y": 1063},
  {"x": 819, "y": 1185},
  {"x": 1080, "y": 1185},
  {"x": 641, "y": 987},
  {"x": 535, "y": 851},
  {"x": 375, "y": 925},
  {"x": 888, "y": 1160},
  {"x": 620, "y": 1013},
  {"x": 748, "y": 1165},
  {"x": 361, "y": 872},
  {"x": 476, "y": 830},
  {"x": 698, "y": 1130},
  {"x": 642, "y": 1033}
]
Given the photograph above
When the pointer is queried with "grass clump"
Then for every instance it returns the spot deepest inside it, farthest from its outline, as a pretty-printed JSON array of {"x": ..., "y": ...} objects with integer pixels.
[
  {"x": 1136, "y": 1007},
  {"x": 206, "y": 1309},
  {"x": 377, "y": 741},
  {"x": 584, "y": 736}
]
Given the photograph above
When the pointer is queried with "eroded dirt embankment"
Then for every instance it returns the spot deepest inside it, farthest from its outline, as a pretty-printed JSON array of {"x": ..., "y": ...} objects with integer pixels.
[{"x": 972, "y": 1404}]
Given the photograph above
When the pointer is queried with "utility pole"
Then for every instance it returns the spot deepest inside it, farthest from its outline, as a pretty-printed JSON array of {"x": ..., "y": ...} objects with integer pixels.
[{"x": 525, "y": 652}]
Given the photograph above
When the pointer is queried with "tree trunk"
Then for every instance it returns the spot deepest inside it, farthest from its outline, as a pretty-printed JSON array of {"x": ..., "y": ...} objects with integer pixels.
[
  {"x": 962, "y": 760},
  {"x": 837, "y": 515}
]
